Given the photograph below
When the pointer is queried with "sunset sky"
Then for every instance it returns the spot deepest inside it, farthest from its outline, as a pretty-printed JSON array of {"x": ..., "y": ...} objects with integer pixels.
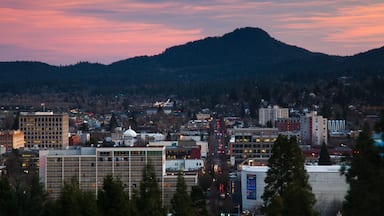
[{"x": 69, "y": 31}]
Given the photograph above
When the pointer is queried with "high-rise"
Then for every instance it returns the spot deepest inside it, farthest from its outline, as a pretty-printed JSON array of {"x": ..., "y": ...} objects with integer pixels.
[{"x": 44, "y": 129}]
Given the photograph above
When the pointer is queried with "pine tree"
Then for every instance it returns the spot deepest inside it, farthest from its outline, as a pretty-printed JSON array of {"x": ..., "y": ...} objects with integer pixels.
[
  {"x": 113, "y": 123},
  {"x": 198, "y": 201},
  {"x": 181, "y": 201},
  {"x": 365, "y": 177},
  {"x": 74, "y": 201},
  {"x": 287, "y": 191},
  {"x": 324, "y": 158},
  {"x": 35, "y": 198},
  {"x": 8, "y": 203},
  {"x": 112, "y": 199},
  {"x": 150, "y": 202}
]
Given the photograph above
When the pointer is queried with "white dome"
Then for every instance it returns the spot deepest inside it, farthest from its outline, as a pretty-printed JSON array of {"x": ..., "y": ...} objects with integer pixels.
[{"x": 130, "y": 133}]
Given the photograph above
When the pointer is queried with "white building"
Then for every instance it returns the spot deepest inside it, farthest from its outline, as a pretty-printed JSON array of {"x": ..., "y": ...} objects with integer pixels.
[
  {"x": 184, "y": 165},
  {"x": 336, "y": 126},
  {"x": 271, "y": 114},
  {"x": 313, "y": 129},
  {"x": 328, "y": 186}
]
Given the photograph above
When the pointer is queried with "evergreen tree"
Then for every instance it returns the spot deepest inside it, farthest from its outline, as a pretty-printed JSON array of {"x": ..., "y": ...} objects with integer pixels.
[
  {"x": 34, "y": 198},
  {"x": 150, "y": 202},
  {"x": 324, "y": 158},
  {"x": 287, "y": 191},
  {"x": 181, "y": 201},
  {"x": 112, "y": 199},
  {"x": 113, "y": 123},
  {"x": 8, "y": 203},
  {"x": 198, "y": 201},
  {"x": 74, "y": 201},
  {"x": 365, "y": 177}
]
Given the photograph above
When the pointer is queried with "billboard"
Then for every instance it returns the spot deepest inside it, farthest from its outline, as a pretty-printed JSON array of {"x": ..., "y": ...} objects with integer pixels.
[{"x": 251, "y": 186}]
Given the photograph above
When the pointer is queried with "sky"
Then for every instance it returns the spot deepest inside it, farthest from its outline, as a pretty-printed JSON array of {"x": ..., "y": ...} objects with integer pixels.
[{"x": 63, "y": 32}]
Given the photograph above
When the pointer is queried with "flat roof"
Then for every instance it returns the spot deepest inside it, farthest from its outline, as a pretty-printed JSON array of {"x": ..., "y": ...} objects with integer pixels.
[{"x": 309, "y": 168}]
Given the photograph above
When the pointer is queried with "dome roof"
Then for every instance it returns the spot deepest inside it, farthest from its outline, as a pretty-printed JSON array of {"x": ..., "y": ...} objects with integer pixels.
[{"x": 130, "y": 133}]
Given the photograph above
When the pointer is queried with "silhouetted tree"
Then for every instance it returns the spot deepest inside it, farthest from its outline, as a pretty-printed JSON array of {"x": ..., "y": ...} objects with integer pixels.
[
  {"x": 365, "y": 178},
  {"x": 112, "y": 199},
  {"x": 181, "y": 200},
  {"x": 113, "y": 123},
  {"x": 287, "y": 191},
  {"x": 149, "y": 202},
  {"x": 8, "y": 202},
  {"x": 198, "y": 201},
  {"x": 74, "y": 201},
  {"x": 324, "y": 158}
]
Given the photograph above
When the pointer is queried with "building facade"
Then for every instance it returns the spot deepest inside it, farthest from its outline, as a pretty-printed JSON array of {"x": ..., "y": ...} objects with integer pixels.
[
  {"x": 248, "y": 143},
  {"x": 271, "y": 114},
  {"x": 313, "y": 129},
  {"x": 44, "y": 129},
  {"x": 328, "y": 186},
  {"x": 336, "y": 127},
  {"x": 288, "y": 124},
  {"x": 11, "y": 139},
  {"x": 89, "y": 166}
]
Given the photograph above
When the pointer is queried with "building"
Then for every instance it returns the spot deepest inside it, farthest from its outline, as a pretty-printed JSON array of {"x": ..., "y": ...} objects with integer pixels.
[
  {"x": 11, "y": 139},
  {"x": 89, "y": 166},
  {"x": 328, "y": 186},
  {"x": 44, "y": 129},
  {"x": 182, "y": 155},
  {"x": 254, "y": 143},
  {"x": 271, "y": 114},
  {"x": 313, "y": 129},
  {"x": 288, "y": 124},
  {"x": 336, "y": 127}
]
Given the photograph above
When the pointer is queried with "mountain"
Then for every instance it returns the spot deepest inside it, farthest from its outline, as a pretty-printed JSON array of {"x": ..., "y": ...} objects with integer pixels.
[{"x": 246, "y": 55}]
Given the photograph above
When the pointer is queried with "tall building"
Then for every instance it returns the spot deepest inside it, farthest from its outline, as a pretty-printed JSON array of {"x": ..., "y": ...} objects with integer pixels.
[
  {"x": 44, "y": 129},
  {"x": 89, "y": 166},
  {"x": 313, "y": 129},
  {"x": 11, "y": 139},
  {"x": 252, "y": 143},
  {"x": 271, "y": 114}
]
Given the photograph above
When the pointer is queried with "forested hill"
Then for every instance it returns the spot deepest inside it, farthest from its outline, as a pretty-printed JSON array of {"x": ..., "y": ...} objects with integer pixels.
[{"x": 246, "y": 55}]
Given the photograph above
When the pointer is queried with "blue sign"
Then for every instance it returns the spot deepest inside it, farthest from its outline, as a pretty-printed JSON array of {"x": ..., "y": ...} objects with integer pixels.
[{"x": 251, "y": 186}]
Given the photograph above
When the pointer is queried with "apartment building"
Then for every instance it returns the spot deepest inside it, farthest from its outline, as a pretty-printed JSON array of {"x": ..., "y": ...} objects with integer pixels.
[{"x": 44, "y": 129}]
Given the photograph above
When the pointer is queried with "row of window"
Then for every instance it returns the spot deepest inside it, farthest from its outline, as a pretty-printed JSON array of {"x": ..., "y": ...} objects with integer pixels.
[
  {"x": 39, "y": 119},
  {"x": 237, "y": 146}
]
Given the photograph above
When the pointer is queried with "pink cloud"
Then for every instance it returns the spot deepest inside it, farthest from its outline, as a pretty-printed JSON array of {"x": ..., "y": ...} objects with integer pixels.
[
  {"x": 76, "y": 30},
  {"x": 355, "y": 27},
  {"x": 87, "y": 36}
]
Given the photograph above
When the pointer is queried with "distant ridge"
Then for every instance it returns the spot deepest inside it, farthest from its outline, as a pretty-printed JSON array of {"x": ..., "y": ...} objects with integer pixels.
[{"x": 243, "y": 55}]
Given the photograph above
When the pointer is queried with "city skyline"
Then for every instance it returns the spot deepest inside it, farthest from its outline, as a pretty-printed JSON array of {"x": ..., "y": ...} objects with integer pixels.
[{"x": 68, "y": 32}]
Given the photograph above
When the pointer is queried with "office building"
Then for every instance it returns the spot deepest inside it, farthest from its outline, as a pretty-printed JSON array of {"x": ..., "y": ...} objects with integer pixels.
[
  {"x": 89, "y": 166},
  {"x": 12, "y": 139},
  {"x": 44, "y": 129},
  {"x": 246, "y": 143}
]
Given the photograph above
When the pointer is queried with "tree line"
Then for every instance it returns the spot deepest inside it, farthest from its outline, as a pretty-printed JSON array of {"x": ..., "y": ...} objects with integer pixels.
[{"x": 111, "y": 199}]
